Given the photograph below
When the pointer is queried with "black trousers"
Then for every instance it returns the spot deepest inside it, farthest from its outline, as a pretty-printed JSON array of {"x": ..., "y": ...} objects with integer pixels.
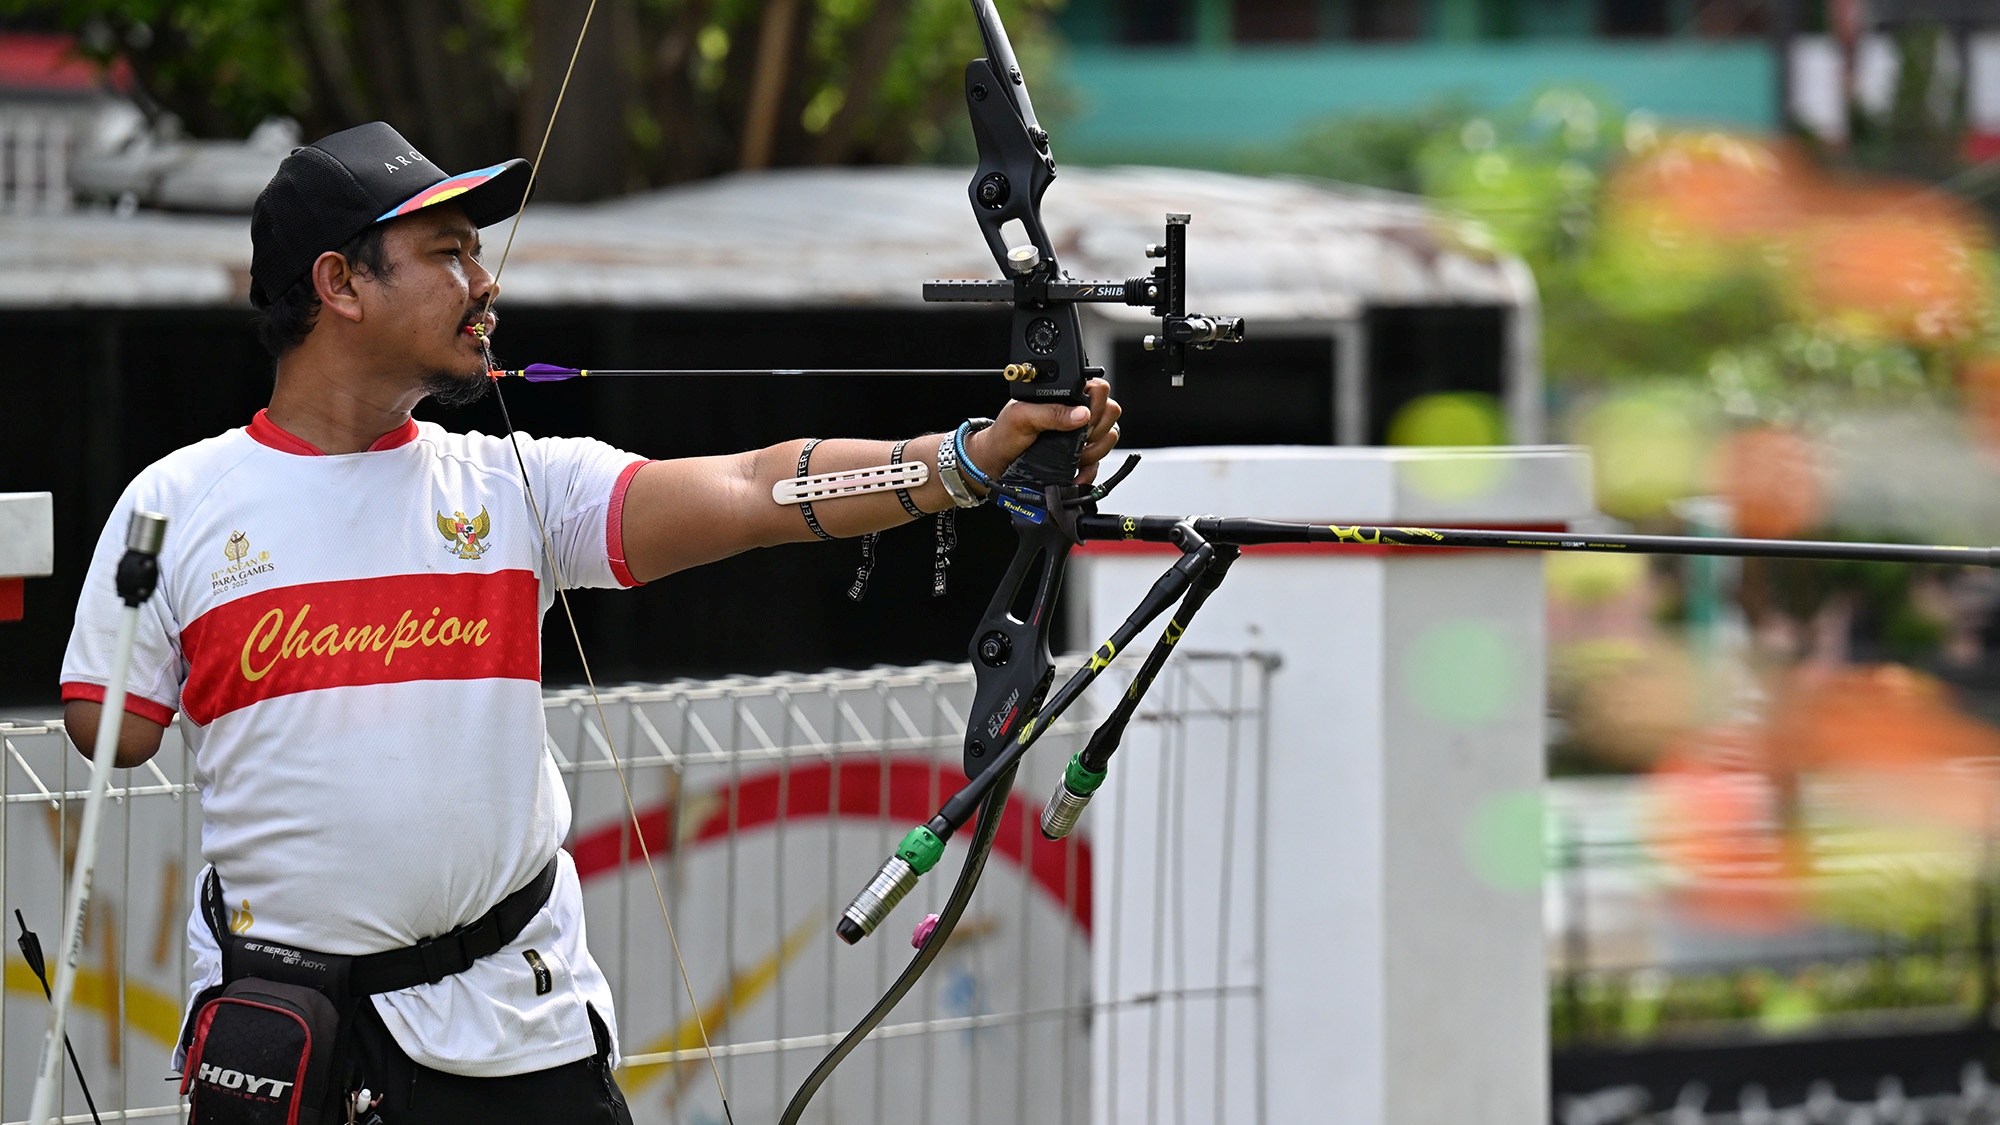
[{"x": 582, "y": 1092}]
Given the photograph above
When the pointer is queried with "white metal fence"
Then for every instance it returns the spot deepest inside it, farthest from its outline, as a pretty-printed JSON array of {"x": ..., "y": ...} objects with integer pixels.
[
  {"x": 37, "y": 146},
  {"x": 1179, "y": 954},
  {"x": 764, "y": 803}
]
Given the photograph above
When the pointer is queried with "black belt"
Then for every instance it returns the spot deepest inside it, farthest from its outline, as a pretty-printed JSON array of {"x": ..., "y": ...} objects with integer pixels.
[{"x": 427, "y": 962}]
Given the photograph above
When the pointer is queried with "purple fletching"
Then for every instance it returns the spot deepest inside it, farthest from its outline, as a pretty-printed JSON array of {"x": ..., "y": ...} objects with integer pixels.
[{"x": 548, "y": 373}]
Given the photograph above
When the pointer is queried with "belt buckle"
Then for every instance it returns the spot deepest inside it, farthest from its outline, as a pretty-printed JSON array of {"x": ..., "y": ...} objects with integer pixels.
[{"x": 433, "y": 952}]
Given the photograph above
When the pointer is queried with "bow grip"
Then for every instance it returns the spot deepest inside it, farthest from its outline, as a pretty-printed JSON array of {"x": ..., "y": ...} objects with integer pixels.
[{"x": 1052, "y": 460}]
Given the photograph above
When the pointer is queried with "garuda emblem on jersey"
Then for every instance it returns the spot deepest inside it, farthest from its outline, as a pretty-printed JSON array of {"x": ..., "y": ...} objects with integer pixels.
[{"x": 466, "y": 537}]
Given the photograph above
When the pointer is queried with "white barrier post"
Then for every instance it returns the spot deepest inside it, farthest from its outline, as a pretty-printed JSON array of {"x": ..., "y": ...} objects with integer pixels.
[
  {"x": 1400, "y": 975},
  {"x": 27, "y": 546}
]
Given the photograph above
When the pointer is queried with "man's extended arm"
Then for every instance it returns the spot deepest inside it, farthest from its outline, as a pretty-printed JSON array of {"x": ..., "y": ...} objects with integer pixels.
[
  {"x": 689, "y": 511},
  {"x": 693, "y": 510}
]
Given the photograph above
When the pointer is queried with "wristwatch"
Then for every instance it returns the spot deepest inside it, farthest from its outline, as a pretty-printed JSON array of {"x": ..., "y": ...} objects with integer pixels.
[{"x": 948, "y": 475}]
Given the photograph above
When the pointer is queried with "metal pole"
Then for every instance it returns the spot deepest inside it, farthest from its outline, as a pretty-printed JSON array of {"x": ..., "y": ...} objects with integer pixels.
[{"x": 137, "y": 572}]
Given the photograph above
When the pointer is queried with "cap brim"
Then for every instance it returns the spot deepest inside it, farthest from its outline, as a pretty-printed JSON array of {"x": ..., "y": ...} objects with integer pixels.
[{"x": 487, "y": 195}]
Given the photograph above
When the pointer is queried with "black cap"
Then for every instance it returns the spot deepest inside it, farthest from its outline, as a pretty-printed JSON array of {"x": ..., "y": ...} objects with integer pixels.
[{"x": 327, "y": 192}]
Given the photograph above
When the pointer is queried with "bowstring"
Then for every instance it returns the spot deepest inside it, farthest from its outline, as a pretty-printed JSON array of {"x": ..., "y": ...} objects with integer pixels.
[{"x": 562, "y": 587}]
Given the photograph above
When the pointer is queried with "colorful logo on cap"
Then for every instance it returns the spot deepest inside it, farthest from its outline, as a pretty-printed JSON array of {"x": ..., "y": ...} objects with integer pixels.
[{"x": 442, "y": 190}]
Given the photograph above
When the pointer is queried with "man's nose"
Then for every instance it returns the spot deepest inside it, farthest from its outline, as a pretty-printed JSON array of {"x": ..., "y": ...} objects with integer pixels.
[{"x": 485, "y": 286}]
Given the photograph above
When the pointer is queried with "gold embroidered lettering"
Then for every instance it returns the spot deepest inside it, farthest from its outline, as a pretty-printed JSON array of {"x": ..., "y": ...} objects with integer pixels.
[
  {"x": 262, "y": 648},
  {"x": 273, "y": 619},
  {"x": 405, "y": 637},
  {"x": 326, "y": 642},
  {"x": 296, "y": 637}
]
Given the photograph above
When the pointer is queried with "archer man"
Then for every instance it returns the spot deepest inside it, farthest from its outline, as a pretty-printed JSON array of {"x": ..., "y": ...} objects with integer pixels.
[{"x": 387, "y": 907}]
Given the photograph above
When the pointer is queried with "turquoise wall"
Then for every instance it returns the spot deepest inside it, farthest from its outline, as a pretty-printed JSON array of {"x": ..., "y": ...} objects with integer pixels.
[
  {"x": 1211, "y": 22},
  {"x": 1199, "y": 105}
]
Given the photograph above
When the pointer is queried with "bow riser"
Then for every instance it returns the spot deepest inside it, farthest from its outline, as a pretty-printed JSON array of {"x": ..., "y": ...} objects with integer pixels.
[
  {"x": 1009, "y": 652},
  {"x": 1010, "y": 646},
  {"x": 1014, "y": 171}
]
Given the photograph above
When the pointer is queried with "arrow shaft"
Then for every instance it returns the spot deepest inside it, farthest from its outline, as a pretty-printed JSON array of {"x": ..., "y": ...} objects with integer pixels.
[{"x": 545, "y": 373}]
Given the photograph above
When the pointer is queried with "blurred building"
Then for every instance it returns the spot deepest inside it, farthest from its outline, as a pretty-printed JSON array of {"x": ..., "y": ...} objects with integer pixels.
[
  {"x": 53, "y": 104},
  {"x": 1201, "y": 81}
]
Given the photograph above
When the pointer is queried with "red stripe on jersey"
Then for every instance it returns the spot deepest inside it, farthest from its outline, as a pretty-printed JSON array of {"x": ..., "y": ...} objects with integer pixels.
[
  {"x": 614, "y": 526},
  {"x": 134, "y": 705},
  {"x": 362, "y": 631}
]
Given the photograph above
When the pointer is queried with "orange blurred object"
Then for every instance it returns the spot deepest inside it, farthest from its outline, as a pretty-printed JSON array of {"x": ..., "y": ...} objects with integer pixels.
[
  {"x": 1771, "y": 479},
  {"x": 1892, "y": 260},
  {"x": 1727, "y": 801},
  {"x": 1896, "y": 262},
  {"x": 1868, "y": 718},
  {"x": 1979, "y": 382},
  {"x": 1717, "y": 820},
  {"x": 1716, "y": 185}
]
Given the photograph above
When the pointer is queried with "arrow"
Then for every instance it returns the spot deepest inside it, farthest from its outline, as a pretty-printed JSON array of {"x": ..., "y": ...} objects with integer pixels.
[{"x": 550, "y": 373}]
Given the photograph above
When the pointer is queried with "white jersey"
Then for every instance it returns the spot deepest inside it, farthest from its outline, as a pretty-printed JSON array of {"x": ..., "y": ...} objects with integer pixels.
[{"x": 354, "y": 642}]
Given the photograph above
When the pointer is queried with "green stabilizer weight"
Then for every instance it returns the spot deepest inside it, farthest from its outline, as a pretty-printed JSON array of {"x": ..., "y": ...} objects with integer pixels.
[
  {"x": 919, "y": 852},
  {"x": 1081, "y": 779},
  {"x": 921, "y": 849},
  {"x": 1067, "y": 803}
]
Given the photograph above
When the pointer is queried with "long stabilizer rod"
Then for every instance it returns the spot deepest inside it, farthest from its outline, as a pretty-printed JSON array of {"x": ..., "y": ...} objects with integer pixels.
[{"x": 1252, "y": 532}]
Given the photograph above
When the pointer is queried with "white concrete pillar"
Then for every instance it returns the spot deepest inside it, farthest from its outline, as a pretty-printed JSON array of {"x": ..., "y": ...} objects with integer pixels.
[
  {"x": 27, "y": 545},
  {"x": 1385, "y": 960}
]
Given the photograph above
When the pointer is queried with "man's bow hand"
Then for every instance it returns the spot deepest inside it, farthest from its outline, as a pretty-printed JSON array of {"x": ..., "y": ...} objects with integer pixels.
[{"x": 1019, "y": 423}]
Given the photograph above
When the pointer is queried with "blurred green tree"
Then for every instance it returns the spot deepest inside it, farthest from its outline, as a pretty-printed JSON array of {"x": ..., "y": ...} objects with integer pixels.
[
  {"x": 1694, "y": 257},
  {"x": 665, "y": 90},
  {"x": 1378, "y": 150}
]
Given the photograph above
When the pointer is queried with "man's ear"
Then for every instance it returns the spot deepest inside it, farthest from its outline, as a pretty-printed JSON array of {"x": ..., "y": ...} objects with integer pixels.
[{"x": 334, "y": 279}]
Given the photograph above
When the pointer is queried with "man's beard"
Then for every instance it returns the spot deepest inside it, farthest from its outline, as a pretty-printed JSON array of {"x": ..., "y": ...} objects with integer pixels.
[{"x": 455, "y": 389}]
